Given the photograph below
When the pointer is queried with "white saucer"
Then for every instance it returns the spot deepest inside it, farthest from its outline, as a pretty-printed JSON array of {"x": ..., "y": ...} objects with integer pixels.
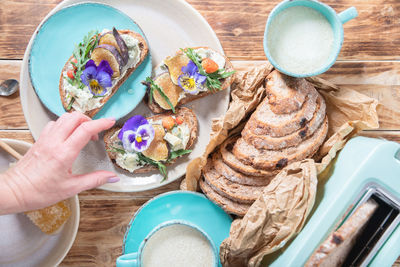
[{"x": 24, "y": 244}]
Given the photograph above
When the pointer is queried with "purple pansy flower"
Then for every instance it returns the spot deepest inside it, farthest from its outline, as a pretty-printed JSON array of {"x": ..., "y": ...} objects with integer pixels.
[
  {"x": 97, "y": 78},
  {"x": 191, "y": 81},
  {"x": 136, "y": 134}
]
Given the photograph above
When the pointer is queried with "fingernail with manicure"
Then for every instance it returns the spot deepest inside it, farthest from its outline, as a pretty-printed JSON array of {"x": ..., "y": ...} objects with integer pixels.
[{"x": 113, "y": 180}]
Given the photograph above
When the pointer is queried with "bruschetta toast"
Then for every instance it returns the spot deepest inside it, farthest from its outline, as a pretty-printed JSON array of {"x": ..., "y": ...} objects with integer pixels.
[
  {"x": 100, "y": 64},
  {"x": 190, "y": 74},
  {"x": 142, "y": 145}
]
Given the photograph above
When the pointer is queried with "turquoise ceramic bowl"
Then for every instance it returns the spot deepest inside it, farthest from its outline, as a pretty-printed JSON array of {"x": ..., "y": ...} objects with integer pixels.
[
  {"x": 135, "y": 259},
  {"x": 54, "y": 43},
  {"x": 336, "y": 21},
  {"x": 186, "y": 206}
]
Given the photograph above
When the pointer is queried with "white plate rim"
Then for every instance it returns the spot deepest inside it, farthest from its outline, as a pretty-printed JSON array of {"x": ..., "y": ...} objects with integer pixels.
[
  {"x": 26, "y": 83},
  {"x": 73, "y": 201}
]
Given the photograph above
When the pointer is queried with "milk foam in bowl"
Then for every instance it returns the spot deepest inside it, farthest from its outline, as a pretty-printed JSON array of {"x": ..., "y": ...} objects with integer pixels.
[{"x": 303, "y": 37}]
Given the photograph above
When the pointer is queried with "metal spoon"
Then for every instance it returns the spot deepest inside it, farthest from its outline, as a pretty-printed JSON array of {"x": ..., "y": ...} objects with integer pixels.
[{"x": 8, "y": 87}]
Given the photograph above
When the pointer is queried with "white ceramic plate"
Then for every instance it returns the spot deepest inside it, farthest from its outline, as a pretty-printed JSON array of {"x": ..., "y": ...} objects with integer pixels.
[
  {"x": 168, "y": 25},
  {"x": 21, "y": 242}
]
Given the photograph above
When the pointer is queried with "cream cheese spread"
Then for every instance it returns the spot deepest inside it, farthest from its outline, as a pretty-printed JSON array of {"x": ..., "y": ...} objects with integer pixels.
[{"x": 208, "y": 53}]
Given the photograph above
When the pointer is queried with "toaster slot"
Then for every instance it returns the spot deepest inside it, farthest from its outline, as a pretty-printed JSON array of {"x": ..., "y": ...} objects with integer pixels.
[{"x": 379, "y": 227}]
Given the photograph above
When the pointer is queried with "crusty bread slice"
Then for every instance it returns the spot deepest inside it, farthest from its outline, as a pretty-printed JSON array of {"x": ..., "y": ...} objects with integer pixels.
[
  {"x": 91, "y": 113},
  {"x": 234, "y": 163},
  {"x": 188, "y": 116},
  {"x": 235, "y": 176},
  {"x": 286, "y": 94},
  {"x": 236, "y": 192},
  {"x": 156, "y": 108},
  {"x": 293, "y": 139},
  {"x": 228, "y": 205},
  {"x": 265, "y": 122},
  {"x": 334, "y": 250},
  {"x": 277, "y": 159}
]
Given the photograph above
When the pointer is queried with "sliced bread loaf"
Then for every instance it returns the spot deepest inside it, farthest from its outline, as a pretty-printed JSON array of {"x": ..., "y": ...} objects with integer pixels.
[
  {"x": 265, "y": 122},
  {"x": 277, "y": 159},
  {"x": 236, "y": 192},
  {"x": 293, "y": 139},
  {"x": 236, "y": 176},
  {"x": 236, "y": 164},
  {"x": 228, "y": 205}
]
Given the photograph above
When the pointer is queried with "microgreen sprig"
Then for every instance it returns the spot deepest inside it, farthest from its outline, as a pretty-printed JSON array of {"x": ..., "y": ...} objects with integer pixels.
[{"x": 82, "y": 53}]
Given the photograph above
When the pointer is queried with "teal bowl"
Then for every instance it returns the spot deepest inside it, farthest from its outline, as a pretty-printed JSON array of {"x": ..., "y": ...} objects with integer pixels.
[
  {"x": 186, "y": 206},
  {"x": 54, "y": 43},
  {"x": 335, "y": 20}
]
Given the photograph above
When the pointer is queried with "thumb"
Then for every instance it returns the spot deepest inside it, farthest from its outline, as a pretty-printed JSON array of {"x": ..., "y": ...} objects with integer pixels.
[{"x": 94, "y": 179}]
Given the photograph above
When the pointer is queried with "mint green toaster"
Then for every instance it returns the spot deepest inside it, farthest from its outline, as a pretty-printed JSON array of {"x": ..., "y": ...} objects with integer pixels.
[{"x": 365, "y": 168}]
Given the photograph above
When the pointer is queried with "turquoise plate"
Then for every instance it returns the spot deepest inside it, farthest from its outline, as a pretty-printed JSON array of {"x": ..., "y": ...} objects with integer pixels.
[
  {"x": 54, "y": 43},
  {"x": 177, "y": 205}
]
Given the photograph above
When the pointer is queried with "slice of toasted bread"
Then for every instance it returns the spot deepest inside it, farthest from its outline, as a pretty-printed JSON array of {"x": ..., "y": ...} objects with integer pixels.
[
  {"x": 235, "y": 176},
  {"x": 265, "y": 122},
  {"x": 286, "y": 94},
  {"x": 293, "y": 139},
  {"x": 277, "y": 159},
  {"x": 236, "y": 164},
  {"x": 334, "y": 250},
  {"x": 188, "y": 116},
  {"x": 91, "y": 113},
  {"x": 236, "y": 192},
  {"x": 156, "y": 108},
  {"x": 228, "y": 205}
]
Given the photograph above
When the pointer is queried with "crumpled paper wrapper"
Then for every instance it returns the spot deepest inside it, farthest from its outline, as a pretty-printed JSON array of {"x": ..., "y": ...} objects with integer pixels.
[{"x": 281, "y": 211}]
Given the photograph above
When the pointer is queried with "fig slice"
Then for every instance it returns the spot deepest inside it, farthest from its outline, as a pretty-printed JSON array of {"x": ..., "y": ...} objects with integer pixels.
[
  {"x": 158, "y": 149},
  {"x": 111, "y": 55},
  {"x": 175, "y": 64},
  {"x": 172, "y": 91},
  {"x": 108, "y": 39},
  {"x": 123, "y": 48}
]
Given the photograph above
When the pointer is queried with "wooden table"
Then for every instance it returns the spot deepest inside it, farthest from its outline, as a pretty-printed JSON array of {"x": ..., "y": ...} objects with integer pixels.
[{"x": 369, "y": 63}]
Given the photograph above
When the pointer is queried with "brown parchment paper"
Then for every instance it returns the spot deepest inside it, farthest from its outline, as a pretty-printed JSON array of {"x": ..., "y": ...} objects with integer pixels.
[{"x": 280, "y": 212}]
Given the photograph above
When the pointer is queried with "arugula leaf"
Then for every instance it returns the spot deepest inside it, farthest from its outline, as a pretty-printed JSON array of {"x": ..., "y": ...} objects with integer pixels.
[
  {"x": 71, "y": 103},
  {"x": 82, "y": 53},
  {"x": 161, "y": 167},
  {"x": 153, "y": 86},
  {"x": 116, "y": 150},
  {"x": 212, "y": 79},
  {"x": 178, "y": 153}
]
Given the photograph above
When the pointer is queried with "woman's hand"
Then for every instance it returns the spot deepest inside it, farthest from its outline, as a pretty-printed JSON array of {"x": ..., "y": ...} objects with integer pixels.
[{"x": 44, "y": 175}]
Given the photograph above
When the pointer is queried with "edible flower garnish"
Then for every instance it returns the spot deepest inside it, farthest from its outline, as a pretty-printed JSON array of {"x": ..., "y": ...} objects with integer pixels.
[
  {"x": 97, "y": 78},
  {"x": 136, "y": 134},
  {"x": 212, "y": 79},
  {"x": 191, "y": 81}
]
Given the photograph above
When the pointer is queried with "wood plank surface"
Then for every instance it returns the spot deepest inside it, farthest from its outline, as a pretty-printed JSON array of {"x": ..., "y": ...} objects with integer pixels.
[
  {"x": 239, "y": 24},
  {"x": 369, "y": 63},
  {"x": 380, "y": 80}
]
